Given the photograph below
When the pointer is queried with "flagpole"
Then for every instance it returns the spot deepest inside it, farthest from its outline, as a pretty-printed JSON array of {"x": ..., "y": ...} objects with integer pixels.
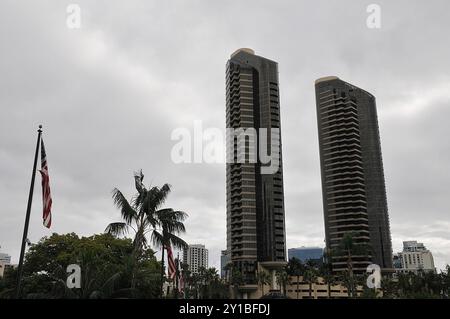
[
  {"x": 27, "y": 218},
  {"x": 177, "y": 275}
]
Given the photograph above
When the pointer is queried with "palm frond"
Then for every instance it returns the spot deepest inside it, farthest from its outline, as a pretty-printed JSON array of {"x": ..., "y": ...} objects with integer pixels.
[
  {"x": 151, "y": 221},
  {"x": 117, "y": 229},
  {"x": 158, "y": 196},
  {"x": 176, "y": 241},
  {"x": 128, "y": 213},
  {"x": 108, "y": 287},
  {"x": 157, "y": 238},
  {"x": 171, "y": 221}
]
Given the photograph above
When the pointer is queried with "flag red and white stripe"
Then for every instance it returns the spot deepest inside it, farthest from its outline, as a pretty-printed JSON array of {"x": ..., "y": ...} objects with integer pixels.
[
  {"x": 172, "y": 268},
  {"x": 46, "y": 196}
]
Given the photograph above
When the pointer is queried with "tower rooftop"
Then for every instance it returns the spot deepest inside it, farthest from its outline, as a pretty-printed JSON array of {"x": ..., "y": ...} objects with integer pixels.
[
  {"x": 246, "y": 50},
  {"x": 326, "y": 78}
]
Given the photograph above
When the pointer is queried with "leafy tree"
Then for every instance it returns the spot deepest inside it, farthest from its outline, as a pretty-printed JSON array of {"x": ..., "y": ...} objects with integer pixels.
[
  {"x": 104, "y": 262},
  {"x": 445, "y": 277},
  {"x": 389, "y": 287}
]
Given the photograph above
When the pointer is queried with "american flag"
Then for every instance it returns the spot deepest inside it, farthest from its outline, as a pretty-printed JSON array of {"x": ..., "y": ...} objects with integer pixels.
[
  {"x": 46, "y": 196},
  {"x": 172, "y": 268}
]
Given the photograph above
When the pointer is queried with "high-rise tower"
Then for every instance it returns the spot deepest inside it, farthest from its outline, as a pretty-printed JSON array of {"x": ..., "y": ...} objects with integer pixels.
[
  {"x": 353, "y": 187},
  {"x": 255, "y": 200}
]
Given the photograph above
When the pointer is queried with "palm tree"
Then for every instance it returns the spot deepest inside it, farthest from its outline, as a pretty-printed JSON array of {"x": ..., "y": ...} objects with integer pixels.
[
  {"x": 212, "y": 278},
  {"x": 196, "y": 280},
  {"x": 169, "y": 225},
  {"x": 310, "y": 275},
  {"x": 296, "y": 268},
  {"x": 186, "y": 275},
  {"x": 348, "y": 247},
  {"x": 208, "y": 280},
  {"x": 328, "y": 277},
  {"x": 263, "y": 278},
  {"x": 282, "y": 279},
  {"x": 142, "y": 215},
  {"x": 236, "y": 279}
]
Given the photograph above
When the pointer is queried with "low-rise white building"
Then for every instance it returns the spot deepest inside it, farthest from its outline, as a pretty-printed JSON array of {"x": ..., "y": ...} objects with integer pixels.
[
  {"x": 5, "y": 260},
  {"x": 413, "y": 258}
]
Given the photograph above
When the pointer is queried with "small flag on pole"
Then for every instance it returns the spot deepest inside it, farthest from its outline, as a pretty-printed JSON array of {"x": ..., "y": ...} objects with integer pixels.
[
  {"x": 46, "y": 196},
  {"x": 172, "y": 268},
  {"x": 180, "y": 278}
]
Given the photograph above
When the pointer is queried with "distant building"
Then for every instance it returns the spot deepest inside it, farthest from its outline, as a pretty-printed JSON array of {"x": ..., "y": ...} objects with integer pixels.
[
  {"x": 306, "y": 253},
  {"x": 195, "y": 256},
  {"x": 413, "y": 258},
  {"x": 5, "y": 258},
  {"x": 5, "y": 261},
  {"x": 224, "y": 260}
]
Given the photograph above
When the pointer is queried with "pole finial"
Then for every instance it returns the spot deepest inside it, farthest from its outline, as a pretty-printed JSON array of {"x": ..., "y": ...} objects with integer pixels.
[{"x": 40, "y": 128}]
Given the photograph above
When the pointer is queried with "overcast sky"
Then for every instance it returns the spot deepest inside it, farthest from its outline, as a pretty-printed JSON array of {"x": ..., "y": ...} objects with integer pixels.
[{"x": 110, "y": 93}]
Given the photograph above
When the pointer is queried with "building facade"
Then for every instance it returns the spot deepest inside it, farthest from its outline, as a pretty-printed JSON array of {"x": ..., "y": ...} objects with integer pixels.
[
  {"x": 300, "y": 288},
  {"x": 5, "y": 258},
  {"x": 195, "y": 256},
  {"x": 413, "y": 258},
  {"x": 353, "y": 186},
  {"x": 5, "y": 261},
  {"x": 255, "y": 199},
  {"x": 224, "y": 261},
  {"x": 306, "y": 253}
]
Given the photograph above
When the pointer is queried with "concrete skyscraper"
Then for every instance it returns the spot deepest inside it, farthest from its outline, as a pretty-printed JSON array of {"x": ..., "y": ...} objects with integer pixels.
[
  {"x": 255, "y": 200},
  {"x": 353, "y": 186},
  {"x": 195, "y": 256}
]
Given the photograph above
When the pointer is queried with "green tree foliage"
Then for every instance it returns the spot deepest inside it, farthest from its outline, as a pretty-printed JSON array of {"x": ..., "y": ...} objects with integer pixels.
[
  {"x": 105, "y": 269},
  {"x": 205, "y": 284}
]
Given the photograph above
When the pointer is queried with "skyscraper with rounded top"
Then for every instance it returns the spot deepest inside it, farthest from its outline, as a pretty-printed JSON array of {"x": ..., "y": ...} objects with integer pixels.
[
  {"x": 353, "y": 185},
  {"x": 255, "y": 199}
]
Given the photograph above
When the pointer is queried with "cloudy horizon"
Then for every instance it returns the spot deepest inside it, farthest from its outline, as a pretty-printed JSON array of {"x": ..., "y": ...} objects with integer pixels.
[{"x": 110, "y": 94}]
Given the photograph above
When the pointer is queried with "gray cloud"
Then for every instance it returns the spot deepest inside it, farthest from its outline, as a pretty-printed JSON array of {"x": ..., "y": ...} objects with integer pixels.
[{"x": 110, "y": 94}]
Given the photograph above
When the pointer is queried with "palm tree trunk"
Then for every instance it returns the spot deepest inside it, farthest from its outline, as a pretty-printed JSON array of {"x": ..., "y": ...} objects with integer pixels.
[
  {"x": 350, "y": 272},
  {"x": 133, "y": 272},
  {"x": 310, "y": 289},
  {"x": 162, "y": 271},
  {"x": 136, "y": 254},
  {"x": 329, "y": 289}
]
